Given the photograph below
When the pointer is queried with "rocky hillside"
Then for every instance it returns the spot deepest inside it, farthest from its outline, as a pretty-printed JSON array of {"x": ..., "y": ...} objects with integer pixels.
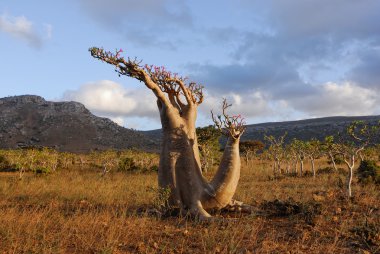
[{"x": 68, "y": 126}]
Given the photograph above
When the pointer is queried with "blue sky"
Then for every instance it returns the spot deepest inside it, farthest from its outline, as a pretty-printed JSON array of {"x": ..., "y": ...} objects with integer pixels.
[{"x": 273, "y": 60}]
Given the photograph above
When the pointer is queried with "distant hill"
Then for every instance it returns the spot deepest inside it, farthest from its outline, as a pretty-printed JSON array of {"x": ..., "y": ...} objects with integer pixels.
[
  {"x": 30, "y": 120},
  {"x": 307, "y": 129}
]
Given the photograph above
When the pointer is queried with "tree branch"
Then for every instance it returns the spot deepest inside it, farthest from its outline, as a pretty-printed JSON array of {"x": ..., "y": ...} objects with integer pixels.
[{"x": 232, "y": 126}]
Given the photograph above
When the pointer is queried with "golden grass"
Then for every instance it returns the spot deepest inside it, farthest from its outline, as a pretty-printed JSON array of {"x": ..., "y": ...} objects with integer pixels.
[{"x": 78, "y": 211}]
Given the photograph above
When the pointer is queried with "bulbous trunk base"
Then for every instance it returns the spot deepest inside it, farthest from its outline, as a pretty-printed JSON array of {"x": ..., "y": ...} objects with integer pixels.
[{"x": 180, "y": 168}]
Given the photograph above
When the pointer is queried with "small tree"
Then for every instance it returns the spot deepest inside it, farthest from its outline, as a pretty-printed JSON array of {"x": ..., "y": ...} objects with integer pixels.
[
  {"x": 356, "y": 138},
  {"x": 369, "y": 172},
  {"x": 4, "y": 161},
  {"x": 25, "y": 161},
  {"x": 249, "y": 148},
  {"x": 313, "y": 151},
  {"x": 290, "y": 158},
  {"x": 300, "y": 150},
  {"x": 208, "y": 142},
  {"x": 328, "y": 147},
  {"x": 276, "y": 150},
  {"x": 109, "y": 159},
  {"x": 293, "y": 157},
  {"x": 46, "y": 160},
  {"x": 66, "y": 160}
]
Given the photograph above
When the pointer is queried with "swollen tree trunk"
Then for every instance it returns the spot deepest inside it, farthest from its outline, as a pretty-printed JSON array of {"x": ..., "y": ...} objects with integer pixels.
[
  {"x": 180, "y": 167},
  {"x": 180, "y": 170},
  {"x": 225, "y": 181}
]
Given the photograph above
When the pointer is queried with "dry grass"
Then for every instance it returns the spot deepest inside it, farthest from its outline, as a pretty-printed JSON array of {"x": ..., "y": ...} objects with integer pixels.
[{"x": 79, "y": 211}]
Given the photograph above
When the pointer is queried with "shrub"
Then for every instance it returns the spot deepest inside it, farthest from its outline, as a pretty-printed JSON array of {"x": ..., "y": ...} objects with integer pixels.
[
  {"x": 368, "y": 234},
  {"x": 342, "y": 171},
  {"x": 127, "y": 164},
  {"x": 326, "y": 170},
  {"x": 307, "y": 173},
  {"x": 338, "y": 160},
  {"x": 369, "y": 172},
  {"x": 291, "y": 174},
  {"x": 41, "y": 170},
  {"x": 154, "y": 168},
  {"x": 5, "y": 165}
]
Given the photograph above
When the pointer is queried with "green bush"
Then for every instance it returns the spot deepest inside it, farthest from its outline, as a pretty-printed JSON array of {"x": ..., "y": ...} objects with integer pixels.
[
  {"x": 154, "y": 168},
  {"x": 41, "y": 171},
  {"x": 5, "y": 165},
  {"x": 369, "y": 172},
  {"x": 128, "y": 164}
]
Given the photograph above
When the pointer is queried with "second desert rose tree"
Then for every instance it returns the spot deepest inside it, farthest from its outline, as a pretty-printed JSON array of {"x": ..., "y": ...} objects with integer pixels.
[{"x": 180, "y": 167}]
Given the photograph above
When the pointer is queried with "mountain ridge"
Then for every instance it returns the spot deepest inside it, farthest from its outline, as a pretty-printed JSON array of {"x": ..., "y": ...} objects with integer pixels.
[
  {"x": 30, "y": 120},
  {"x": 303, "y": 129}
]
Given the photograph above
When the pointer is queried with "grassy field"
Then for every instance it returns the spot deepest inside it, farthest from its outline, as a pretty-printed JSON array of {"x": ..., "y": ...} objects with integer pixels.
[{"x": 78, "y": 211}]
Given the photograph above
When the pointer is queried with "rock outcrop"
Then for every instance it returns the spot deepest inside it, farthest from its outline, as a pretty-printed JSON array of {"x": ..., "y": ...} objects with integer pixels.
[{"x": 30, "y": 120}]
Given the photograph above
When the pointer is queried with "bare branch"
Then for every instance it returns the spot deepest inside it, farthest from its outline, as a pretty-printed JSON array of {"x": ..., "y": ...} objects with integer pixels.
[
  {"x": 158, "y": 79},
  {"x": 231, "y": 126}
]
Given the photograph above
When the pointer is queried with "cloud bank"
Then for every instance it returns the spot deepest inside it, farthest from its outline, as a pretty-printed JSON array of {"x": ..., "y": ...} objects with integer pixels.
[
  {"x": 273, "y": 60},
  {"x": 110, "y": 99}
]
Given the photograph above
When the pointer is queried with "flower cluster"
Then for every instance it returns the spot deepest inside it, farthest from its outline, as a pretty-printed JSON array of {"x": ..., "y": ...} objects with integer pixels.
[
  {"x": 237, "y": 121},
  {"x": 118, "y": 52},
  {"x": 170, "y": 83}
]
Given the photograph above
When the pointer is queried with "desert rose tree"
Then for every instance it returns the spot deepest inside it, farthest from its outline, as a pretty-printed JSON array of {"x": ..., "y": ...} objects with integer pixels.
[{"x": 180, "y": 167}]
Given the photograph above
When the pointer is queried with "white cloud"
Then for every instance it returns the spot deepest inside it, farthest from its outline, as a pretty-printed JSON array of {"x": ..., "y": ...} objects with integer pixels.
[
  {"x": 119, "y": 120},
  {"x": 22, "y": 28},
  {"x": 339, "y": 99},
  {"x": 103, "y": 96},
  {"x": 251, "y": 105},
  {"x": 110, "y": 99}
]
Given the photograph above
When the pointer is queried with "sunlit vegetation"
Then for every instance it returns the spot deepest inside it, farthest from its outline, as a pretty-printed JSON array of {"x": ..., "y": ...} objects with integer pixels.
[{"x": 109, "y": 202}]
